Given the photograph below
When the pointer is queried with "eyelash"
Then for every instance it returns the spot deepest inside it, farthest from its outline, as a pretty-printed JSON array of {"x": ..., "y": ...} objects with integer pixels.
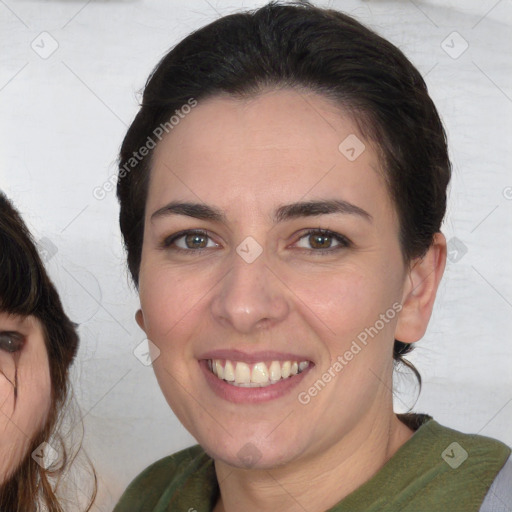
[
  {"x": 342, "y": 240},
  {"x": 11, "y": 337}
]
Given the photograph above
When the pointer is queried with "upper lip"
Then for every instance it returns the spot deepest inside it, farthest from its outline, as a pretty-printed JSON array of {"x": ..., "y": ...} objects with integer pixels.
[{"x": 254, "y": 357}]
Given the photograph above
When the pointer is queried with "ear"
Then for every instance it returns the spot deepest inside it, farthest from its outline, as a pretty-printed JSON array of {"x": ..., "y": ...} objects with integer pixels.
[
  {"x": 139, "y": 318},
  {"x": 422, "y": 281}
]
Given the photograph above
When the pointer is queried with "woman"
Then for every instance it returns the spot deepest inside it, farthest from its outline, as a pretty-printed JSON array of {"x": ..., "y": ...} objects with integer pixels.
[
  {"x": 37, "y": 345},
  {"x": 282, "y": 190}
]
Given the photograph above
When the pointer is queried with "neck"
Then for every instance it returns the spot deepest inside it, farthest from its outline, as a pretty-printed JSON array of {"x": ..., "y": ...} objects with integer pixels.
[{"x": 323, "y": 479}]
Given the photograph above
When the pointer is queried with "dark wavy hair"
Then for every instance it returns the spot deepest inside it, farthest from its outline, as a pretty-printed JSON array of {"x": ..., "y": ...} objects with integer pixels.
[
  {"x": 298, "y": 45},
  {"x": 26, "y": 289}
]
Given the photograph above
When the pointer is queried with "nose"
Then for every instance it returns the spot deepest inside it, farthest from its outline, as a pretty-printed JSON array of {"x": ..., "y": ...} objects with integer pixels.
[{"x": 250, "y": 297}]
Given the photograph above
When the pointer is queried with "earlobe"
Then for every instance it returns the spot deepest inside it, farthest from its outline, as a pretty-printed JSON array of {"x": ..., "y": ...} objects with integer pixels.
[
  {"x": 420, "y": 291},
  {"x": 139, "y": 318}
]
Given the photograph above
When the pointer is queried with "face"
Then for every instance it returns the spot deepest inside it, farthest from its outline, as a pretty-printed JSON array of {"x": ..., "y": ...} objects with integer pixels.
[
  {"x": 24, "y": 387},
  {"x": 258, "y": 288}
]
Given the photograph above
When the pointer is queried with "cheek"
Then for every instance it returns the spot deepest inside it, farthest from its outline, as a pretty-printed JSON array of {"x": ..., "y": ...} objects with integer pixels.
[
  {"x": 169, "y": 297},
  {"x": 34, "y": 395},
  {"x": 351, "y": 312},
  {"x": 171, "y": 302},
  {"x": 38, "y": 394},
  {"x": 22, "y": 417},
  {"x": 335, "y": 295},
  {"x": 7, "y": 376},
  {"x": 346, "y": 300}
]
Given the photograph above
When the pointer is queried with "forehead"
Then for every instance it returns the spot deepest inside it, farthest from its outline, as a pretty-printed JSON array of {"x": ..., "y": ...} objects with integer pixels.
[
  {"x": 280, "y": 145},
  {"x": 11, "y": 320}
]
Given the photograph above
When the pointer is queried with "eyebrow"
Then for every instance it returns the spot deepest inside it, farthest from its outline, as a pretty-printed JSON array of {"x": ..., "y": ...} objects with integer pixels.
[{"x": 283, "y": 213}]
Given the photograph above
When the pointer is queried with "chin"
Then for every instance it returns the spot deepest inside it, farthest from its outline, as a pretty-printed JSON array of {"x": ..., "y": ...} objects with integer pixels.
[{"x": 250, "y": 453}]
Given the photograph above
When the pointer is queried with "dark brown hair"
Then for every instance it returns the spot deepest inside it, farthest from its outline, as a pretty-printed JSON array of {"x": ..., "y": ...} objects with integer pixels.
[
  {"x": 301, "y": 46},
  {"x": 26, "y": 289}
]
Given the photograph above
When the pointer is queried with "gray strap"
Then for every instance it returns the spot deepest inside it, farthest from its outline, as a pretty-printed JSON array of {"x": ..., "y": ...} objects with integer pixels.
[{"x": 499, "y": 496}]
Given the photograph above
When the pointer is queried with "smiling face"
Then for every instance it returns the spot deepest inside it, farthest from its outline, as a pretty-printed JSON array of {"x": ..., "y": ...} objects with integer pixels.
[
  {"x": 25, "y": 387},
  {"x": 289, "y": 293}
]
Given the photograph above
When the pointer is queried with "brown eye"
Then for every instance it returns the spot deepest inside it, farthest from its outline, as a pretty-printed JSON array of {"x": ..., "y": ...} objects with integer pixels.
[
  {"x": 188, "y": 241},
  {"x": 195, "y": 241},
  {"x": 323, "y": 241},
  {"x": 11, "y": 341},
  {"x": 320, "y": 241}
]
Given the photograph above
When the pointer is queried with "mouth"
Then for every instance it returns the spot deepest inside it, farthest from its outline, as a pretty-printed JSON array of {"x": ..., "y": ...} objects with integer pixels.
[
  {"x": 258, "y": 375},
  {"x": 251, "y": 378}
]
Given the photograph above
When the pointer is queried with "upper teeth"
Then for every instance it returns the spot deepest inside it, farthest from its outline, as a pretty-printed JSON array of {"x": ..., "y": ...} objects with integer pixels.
[{"x": 239, "y": 373}]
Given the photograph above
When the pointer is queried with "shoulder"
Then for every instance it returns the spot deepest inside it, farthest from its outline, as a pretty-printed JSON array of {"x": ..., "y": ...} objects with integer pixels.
[
  {"x": 467, "y": 466},
  {"x": 452, "y": 469},
  {"x": 162, "y": 478},
  {"x": 455, "y": 444},
  {"x": 482, "y": 450}
]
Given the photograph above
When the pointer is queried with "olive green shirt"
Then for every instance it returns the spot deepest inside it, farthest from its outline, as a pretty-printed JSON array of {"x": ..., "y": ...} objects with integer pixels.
[{"x": 437, "y": 469}]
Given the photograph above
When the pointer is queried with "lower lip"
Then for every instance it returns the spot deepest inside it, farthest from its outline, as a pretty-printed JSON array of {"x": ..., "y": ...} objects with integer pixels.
[{"x": 239, "y": 395}]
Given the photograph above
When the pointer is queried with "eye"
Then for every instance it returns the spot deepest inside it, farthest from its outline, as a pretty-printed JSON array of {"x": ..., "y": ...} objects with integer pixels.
[
  {"x": 321, "y": 240},
  {"x": 188, "y": 241},
  {"x": 11, "y": 341}
]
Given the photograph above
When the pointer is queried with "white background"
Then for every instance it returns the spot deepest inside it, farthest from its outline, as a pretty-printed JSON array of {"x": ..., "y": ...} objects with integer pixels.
[{"x": 62, "y": 121}]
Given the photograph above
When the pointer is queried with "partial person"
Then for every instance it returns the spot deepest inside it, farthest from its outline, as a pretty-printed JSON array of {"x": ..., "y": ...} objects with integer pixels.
[
  {"x": 38, "y": 344},
  {"x": 282, "y": 190}
]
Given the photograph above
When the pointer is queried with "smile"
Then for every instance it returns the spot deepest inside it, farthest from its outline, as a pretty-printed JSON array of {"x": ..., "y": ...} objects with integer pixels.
[{"x": 258, "y": 375}]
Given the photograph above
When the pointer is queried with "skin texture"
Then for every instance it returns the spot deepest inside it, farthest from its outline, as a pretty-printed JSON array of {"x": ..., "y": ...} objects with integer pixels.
[
  {"x": 23, "y": 416},
  {"x": 247, "y": 158}
]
